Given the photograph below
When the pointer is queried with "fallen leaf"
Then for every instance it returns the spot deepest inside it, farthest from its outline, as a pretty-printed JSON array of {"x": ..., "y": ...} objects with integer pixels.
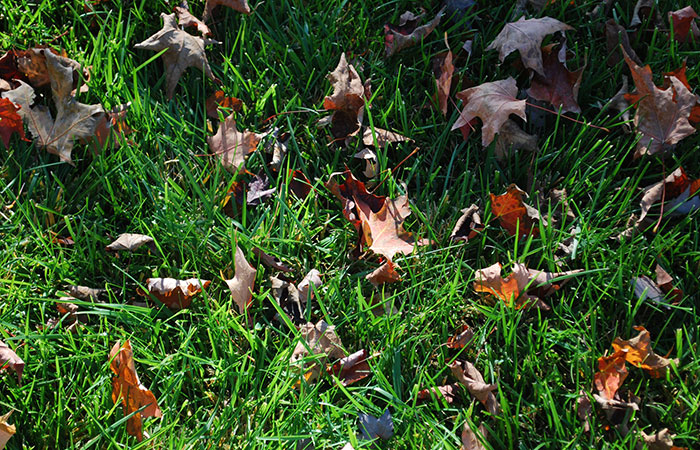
[
  {"x": 644, "y": 9},
  {"x": 309, "y": 284},
  {"x": 277, "y": 146},
  {"x": 8, "y": 65},
  {"x": 443, "y": 69},
  {"x": 8, "y": 358},
  {"x": 271, "y": 261},
  {"x": 238, "y": 5},
  {"x": 300, "y": 184},
  {"x": 232, "y": 146},
  {"x": 407, "y": 34},
  {"x": 662, "y": 292},
  {"x": 186, "y": 19},
  {"x": 32, "y": 64},
  {"x": 619, "y": 103},
  {"x": 584, "y": 410},
  {"x": 559, "y": 86},
  {"x": 219, "y": 100},
  {"x": 470, "y": 440},
  {"x": 611, "y": 374},
  {"x": 347, "y": 100},
  {"x": 448, "y": 392},
  {"x": 616, "y": 37},
  {"x": 351, "y": 368},
  {"x": 86, "y": 293},
  {"x": 380, "y": 138},
  {"x": 112, "y": 124},
  {"x": 637, "y": 351},
  {"x": 287, "y": 296},
  {"x": 661, "y": 440},
  {"x": 679, "y": 73},
  {"x": 182, "y": 51},
  {"x": 130, "y": 242},
  {"x": 6, "y": 430},
  {"x": 371, "y": 162},
  {"x": 10, "y": 121},
  {"x": 472, "y": 379},
  {"x": 462, "y": 338},
  {"x": 514, "y": 215},
  {"x": 682, "y": 20},
  {"x": 662, "y": 115},
  {"x": 493, "y": 103},
  {"x": 512, "y": 137},
  {"x": 526, "y": 36},
  {"x": 386, "y": 273},
  {"x": 379, "y": 220},
  {"x": 242, "y": 283},
  {"x": 677, "y": 191},
  {"x": 74, "y": 120},
  {"x": 133, "y": 394},
  {"x": 259, "y": 190},
  {"x": 373, "y": 428},
  {"x": 175, "y": 294},
  {"x": 468, "y": 226},
  {"x": 320, "y": 340}
]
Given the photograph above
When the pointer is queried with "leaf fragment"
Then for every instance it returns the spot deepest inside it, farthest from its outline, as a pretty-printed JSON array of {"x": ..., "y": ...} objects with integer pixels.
[
  {"x": 373, "y": 427},
  {"x": 407, "y": 34},
  {"x": 9, "y": 359},
  {"x": 242, "y": 283},
  {"x": 472, "y": 379},
  {"x": 130, "y": 242},
  {"x": 232, "y": 146},
  {"x": 173, "y": 293}
]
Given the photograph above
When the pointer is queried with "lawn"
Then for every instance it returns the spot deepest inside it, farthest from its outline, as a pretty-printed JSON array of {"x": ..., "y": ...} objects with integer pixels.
[{"x": 222, "y": 382}]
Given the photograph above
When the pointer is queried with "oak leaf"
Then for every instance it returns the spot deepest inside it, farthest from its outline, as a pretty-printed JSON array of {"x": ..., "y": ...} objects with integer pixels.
[
  {"x": 182, "y": 51},
  {"x": 472, "y": 379},
  {"x": 133, "y": 394},
  {"x": 376, "y": 427},
  {"x": 238, "y": 5},
  {"x": 526, "y": 36},
  {"x": 347, "y": 100},
  {"x": 407, "y": 34},
  {"x": 130, "y": 242},
  {"x": 662, "y": 114},
  {"x": 513, "y": 214},
  {"x": 638, "y": 352},
  {"x": 559, "y": 86},
  {"x": 6, "y": 430},
  {"x": 10, "y": 121},
  {"x": 492, "y": 102},
  {"x": 242, "y": 283},
  {"x": 232, "y": 146},
  {"x": 175, "y": 294},
  {"x": 9, "y": 359}
]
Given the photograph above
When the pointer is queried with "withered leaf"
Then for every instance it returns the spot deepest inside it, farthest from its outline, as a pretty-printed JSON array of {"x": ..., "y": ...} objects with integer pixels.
[
  {"x": 175, "y": 294},
  {"x": 470, "y": 439},
  {"x": 584, "y": 410},
  {"x": 513, "y": 214},
  {"x": 443, "y": 69},
  {"x": 383, "y": 137},
  {"x": 299, "y": 184},
  {"x": 186, "y": 19},
  {"x": 232, "y": 146},
  {"x": 239, "y": 5},
  {"x": 130, "y": 242},
  {"x": 469, "y": 225},
  {"x": 386, "y": 273},
  {"x": 6, "y": 430},
  {"x": 10, "y": 121},
  {"x": 677, "y": 191},
  {"x": 242, "y": 283},
  {"x": 472, "y": 379},
  {"x": 127, "y": 387},
  {"x": 397, "y": 38},
  {"x": 86, "y": 293},
  {"x": 373, "y": 427},
  {"x": 661, "y": 440},
  {"x": 448, "y": 392},
  {"x": 638, "y": 352},
  {"x": 616, "y": 37},
  {"x": 683, "y": 21},
  {"x": 371, "y": 161},
  {"x": 219, "y": 100},
  {"x": 347, "y": 100},
  {"x": 512, "y": 137},
  {"x": 351, "y": 368},
  {"x": 611, "y": 374},
  {"x": 526, "y": 36},
  {"x": 271, "y": 261},
  {"x": 8, "y": 358},
  {"x": 320, "y": 340},
  {"x": 287, "y": 296},
  {"x": 259, "y": 190},
  {"x": 491, "y": 102},
  {"x": 182, "y": 51},
  {"x": 559, "y": 86},
  {"x": 462, "y": 338}
]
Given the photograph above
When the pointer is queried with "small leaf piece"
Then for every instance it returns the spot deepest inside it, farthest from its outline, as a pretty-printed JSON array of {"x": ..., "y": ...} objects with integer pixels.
[
  {"x": 373, "y": 428},
  {"x": 397, "y": 38},
  {"x": 611, "y": 374},
  {"x": 351, "y": 368},
  {"x": 559, "y": 86},
  {"x": 683, "y": 20},
  {"x": 526, "y": 36},
  {"x": 472, "y": 379},
  {"x": 386, "y": 273},
  {"x": 470, "y": 440},
  {"x": 219, "y": 100},
  {"x": 186, "y": 19},
  {"x": 131, "y": 242},
  {"x": 8, "y": 358},
  {"x": 347, "y": 100},
  {"x": 448, "y": 392},
  {"x": 320, "y": 340},
  {"x": 513, "y": 214},
  {"x": 133, "y": 394},
  {"x": 443, "y": 69},
  {"x": 242, "y": 283},
  {"x": 383, "y": 137},
  {"x": 678, "y": 192},
  {"x": 271, "y": 261},
  {"x": 238, "y": 5},
  {"x": 10, "y": 121},
  {"x": 175, "y": 294},
  {"x": 182, "y": 51},
  {"x": 468, "y": 226},
  {"x": 462, "y": 338},
  {"x": 6, "y": 430},
  {"x": 232, "y": 146},
  {"x": 491, "y": 102},
  {"x": 661, "y": 440}
]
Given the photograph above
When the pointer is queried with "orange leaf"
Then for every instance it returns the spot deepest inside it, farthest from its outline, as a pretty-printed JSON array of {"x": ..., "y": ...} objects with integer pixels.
[
  {"x": 638, "y": 352},
  {"x": 10, "y": 121},
  {"x": 514, "y": 215},
  {"x": 219, "y": 100},
  {"x": 175, "y": 294},
  {"x": 612, "y": 372}
]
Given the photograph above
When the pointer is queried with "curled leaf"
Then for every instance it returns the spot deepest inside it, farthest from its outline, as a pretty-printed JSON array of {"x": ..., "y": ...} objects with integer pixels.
[{"x": 175, "y": 294}]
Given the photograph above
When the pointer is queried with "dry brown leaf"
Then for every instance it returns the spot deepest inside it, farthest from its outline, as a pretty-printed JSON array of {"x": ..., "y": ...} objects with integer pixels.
[
  {"x": 584, "y": 410},
  {"x": 470, "y": 440},
  {"x": 448, "y": 392},
  {"x": 397, "y": 38},
  {"x": 9, "y": 359},
  {"x": 6, "y": 430},
  {"x": 662, "y": 292},
  {"x": 493, "y": 103},
  {"x": 472, "y": 379},
  {"x": 186, "y": 19},
  {"x": 683, "y": 21},
  {"x": 219, "y": 100},
  {"x": 526, "y": 36},
  {"x": 86, "y": 293},
  {"x": 512, "y": 137},
  {"x": 319, "y": 339},
  {"x": 661, "y": 440},
  {"x": 232, "y": 146},
  {"x": 616, "y": 36},
  {"x": 559, "y": 86},
  {"x": 383, "y": 137},
  {"x": 133, "y": 394},
  {"x": 182, "y": 51},
  {"x": 638, "y": 352},
  {"x": 514, "y": 214},
  {"x": 662, "y": 115},
  {"x": 271, "y": 261},
  {"x": 469, "y": 225},
  {"x": 299, "y": 184},
  {"x": 386, "y": 273},
  {"x": 112, "y": 125},
  {"x": 676, "y": 190},
  {"x": 347, "y": 100},
  {"x": 443, "y": 69},
  {"x": 611, "y": 374},
  {"x": 242, "y": 283},
  {"x": 462, "y": 338},
  {"x": 175, "y": 294},
  {"x": 371, "y": 162},
  {"x": 238, "y": 5},
  {"x": 351, "y": 368},
  {"x": 130, "y": 242}
]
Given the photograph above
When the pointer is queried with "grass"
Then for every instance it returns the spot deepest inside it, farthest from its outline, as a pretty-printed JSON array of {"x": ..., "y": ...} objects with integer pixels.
[{"x": 221, "y": 384}]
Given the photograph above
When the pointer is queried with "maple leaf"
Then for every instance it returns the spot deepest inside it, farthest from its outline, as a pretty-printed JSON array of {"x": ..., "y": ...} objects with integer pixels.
[
  {"x": 379, "y": 220},
  {"x": 662, "y": 114},
  {"x": 347, "y": 100},
  {"x": 661, "y": 440},
  {"x": 319, "y": 340},
  {"x": 182, "y": 51},
  {"x": 8, "y": 358},
  {"x": 657, "y": 291},
  {"x": 611, "y": 374},
  {"x": 130, "y": 242},
  {"x": 32, "y": 64},
  {"x": 638, "y": 352},
  {"x": 386, "y": 273},
  {"x": 175, "y": 294},
  {"x": 469, "y": 225},
  {"x": 512, "y": 137},
  {"x": 232, "y": 146},
  {"x": 351, "y": 368},
  {"x": 74, "y": 120},
  {"x": 242, "y": 283},
  {"x": 559, "y": 86},
  {"x": 679, "y": 73},
  {"x": 526, "y": 36},
  {"x": 219, "y": 100},
  {"x": 472, "y": 379},
  {"x": 133, "y": 394},
  {"x": 407, "y": 34},
  {"x": 6, "y": 430},
  {"x": 677, "y": 191},
  {"x": 492, "y": 102},
  {"x": 376, "y": 427},
  {"x": 513, "y": 214},
  {"x": 238, "y": 5},
  {"x": 682, "y": 21},
  {"x": 470, "y": 439},
  {"x": 10, "y": 121},
  {"x": 443, "y": 69},
  {"x": 186, "y": 19}
]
